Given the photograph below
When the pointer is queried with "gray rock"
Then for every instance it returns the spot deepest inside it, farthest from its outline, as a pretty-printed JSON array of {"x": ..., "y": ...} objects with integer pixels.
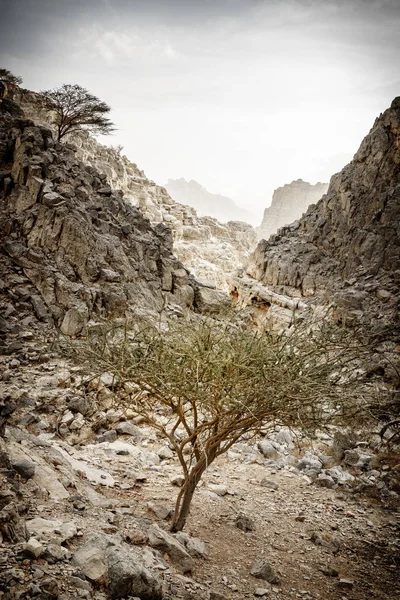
[
  {"x": 165, "y": 542},
  {"x": 339, "y": 475},
  {"x": 345, "y": 584},
  {"x": 260, "y": 592},
  {"x": 261, "y": 569},
  {"x": 217, "y": 596},
  {"x": 195, "y": 546},
  {"x": 272, "y": 485},
  {"x": 91, "y": 560},
  {"x": 179, "y": 480},
  {"x": 78, "y": 405},
  {"x": 343, "y": 441},
  {"x": 162, "y": 512},
  {"x": 244, "y": 522},
  {"x": 79, "y": 583},
  {"x": 25, "y": 468},
  {"x": 49, "y": 528},
  {"x": 325, "y": 481},
  {"x": 207, "y": 300},
  {"x": 165, "y": 453},
  {"x": 127, "y": 428},
  {"x": 217, "y": 488},
  {"x": 309, "y": 462},
  {"x": 127, "y": 577},
  {"x": 268, "y": 450},
  {"x": 56, "y": 553},
  {"x": 357, "y": 458},
  {"x": 34, "y": 547},
  {"x": 75, "y": 321},
  {"x": 108, "y": 436}
]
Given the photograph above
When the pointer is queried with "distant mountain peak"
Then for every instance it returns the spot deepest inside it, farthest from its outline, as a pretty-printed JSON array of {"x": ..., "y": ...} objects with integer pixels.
[{"x": 192, "y": 193}]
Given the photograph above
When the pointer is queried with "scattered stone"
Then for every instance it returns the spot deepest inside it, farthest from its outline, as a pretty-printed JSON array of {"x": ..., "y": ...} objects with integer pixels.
[
  {"x": 325, "y": 481},
  {"x": 162, "y": 512},
  {"x": 244, "y": 522},
  {"x": 219, "y": 489},
  {"x": 127, "y": 428},
  {"x": 165, "y": 453},
  {"x": 78, "y": 405},
  {"x": 345, "y": 584},
  {"x": 261, "y": 569},
  {"x": 260, "y": 592},
  {"x": 34, "y": 547},
  {"x": 272, "y": 485},
  {"x": 330, "y": 572},
  {"x": 179, "y": 480},
  {"x": 165, "y": 542},
  {"x": 47, "y": 528},
  {"x": 108, "y": 436},
  {"x": 268, "y": 450},
  {"x": 25, "y": 468},
  {"x": 56, "y": 553}
]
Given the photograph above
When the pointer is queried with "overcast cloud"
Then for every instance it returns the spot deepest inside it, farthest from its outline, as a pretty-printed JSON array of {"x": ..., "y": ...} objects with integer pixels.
[{"x": 243, "y": 96}]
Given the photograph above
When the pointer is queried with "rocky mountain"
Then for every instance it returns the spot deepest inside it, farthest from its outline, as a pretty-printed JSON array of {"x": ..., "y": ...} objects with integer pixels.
[
  {"x": 204, "y": 202},
  {"x": 211, "y": 250},
  {"x": 346, "y": 248},
  {"x": 87, "y": 488},
  {"x": 288, "y": 204},
  {"x": 87, "y": 252}
]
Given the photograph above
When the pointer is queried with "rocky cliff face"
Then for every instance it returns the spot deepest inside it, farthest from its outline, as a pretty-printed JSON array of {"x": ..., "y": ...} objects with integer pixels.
[
  {"x": 204, "y": 202},
  {"x": 212, "y": 251},
  {"x": 288, "y": 204},
  {"x": 347, "y": 247},
  {"x": 87, "y": 252}
]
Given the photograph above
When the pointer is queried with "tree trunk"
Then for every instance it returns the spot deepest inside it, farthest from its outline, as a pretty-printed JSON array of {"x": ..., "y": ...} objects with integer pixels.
[
  {"x": 182, "y": 512},
  {"x": 184, "y": 501}
]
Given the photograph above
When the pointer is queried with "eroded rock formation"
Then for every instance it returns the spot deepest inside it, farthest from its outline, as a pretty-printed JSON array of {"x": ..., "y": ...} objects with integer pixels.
[
  {"x": 347, "y": 247},
  {"x": 88, "y": 252},
  {"x": 211, "y": 250},
  {"x": 288, "y": 204}
]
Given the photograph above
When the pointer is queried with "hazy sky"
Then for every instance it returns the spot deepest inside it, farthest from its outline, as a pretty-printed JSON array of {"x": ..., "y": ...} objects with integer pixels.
[{"x": 241, "y": 95}]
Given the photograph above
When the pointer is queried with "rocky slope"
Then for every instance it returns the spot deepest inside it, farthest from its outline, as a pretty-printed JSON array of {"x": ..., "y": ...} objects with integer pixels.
[
  {"x": 347, "y": 247},
  {"x": 212, "y": 251},
  {"x": 87, "y": 493},
  {"x": 288, "y": 204},
  {"x": 204, "y": 202},
  {"x": 87, "y": 252}
]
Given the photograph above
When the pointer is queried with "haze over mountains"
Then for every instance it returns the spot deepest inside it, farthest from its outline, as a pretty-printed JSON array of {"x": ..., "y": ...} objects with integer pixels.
[{"x": 206, "y": 203}]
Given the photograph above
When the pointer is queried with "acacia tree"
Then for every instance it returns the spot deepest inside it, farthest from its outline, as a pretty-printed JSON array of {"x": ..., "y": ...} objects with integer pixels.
[
  {"x": 9, "y": 78},
  {"x": 76, "y": 109},
  {"x": 203, "y": 384}
]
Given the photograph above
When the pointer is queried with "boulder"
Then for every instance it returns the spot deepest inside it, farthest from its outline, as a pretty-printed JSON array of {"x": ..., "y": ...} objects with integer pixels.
[
  {"x": 105, "y": 560},
  {"x": 268, "y": 450},
  {"x": 261, "y": 569},
  {"x": 25, "y": 468},
  {"x": 165, "y": 542}
]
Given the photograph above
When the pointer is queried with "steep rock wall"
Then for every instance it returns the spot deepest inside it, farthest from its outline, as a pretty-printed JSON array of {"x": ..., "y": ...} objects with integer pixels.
[
  {"x": 211, "y": 250},
  {"x": 347, "y": 247},
  {"x": 87, "y": 251},
  {"x": 288, "y": 204}
]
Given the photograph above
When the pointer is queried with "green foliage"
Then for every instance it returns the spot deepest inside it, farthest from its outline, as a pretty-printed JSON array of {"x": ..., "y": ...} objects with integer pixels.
[
  {"x": 9, "y": 78},
  {"x": 76, "y": 110},
  {"x": 203, "y": 384}
]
